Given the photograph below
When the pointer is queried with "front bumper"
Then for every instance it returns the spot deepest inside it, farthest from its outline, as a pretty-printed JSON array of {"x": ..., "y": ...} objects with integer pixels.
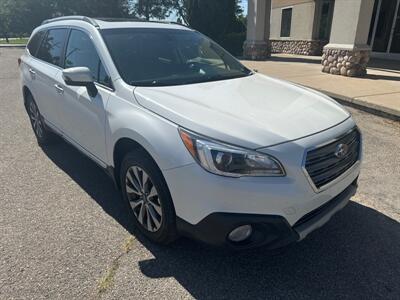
[{"x": 271, "y": 231}]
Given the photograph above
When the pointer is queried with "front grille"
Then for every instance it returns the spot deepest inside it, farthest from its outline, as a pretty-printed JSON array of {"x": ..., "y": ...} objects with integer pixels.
[{"x": 323, "y": 165}]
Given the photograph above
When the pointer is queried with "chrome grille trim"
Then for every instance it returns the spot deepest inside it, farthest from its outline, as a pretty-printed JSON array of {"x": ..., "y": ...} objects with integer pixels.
[{"x": 344, "y": 171}]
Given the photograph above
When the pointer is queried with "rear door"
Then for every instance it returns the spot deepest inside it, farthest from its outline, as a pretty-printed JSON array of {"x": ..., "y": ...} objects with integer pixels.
[
  {"x": 31, "y": 49},
  {"x": 45, "y": 65}
]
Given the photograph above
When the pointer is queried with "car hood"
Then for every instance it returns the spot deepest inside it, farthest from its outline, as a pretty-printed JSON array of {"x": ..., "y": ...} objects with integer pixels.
[{"x": 254, "y": 111}]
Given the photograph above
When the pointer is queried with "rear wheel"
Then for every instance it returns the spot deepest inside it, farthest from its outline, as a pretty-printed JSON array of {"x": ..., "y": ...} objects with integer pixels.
[
  {"x": 43, "y": 135},
  {"x": 145, "y": 190}
]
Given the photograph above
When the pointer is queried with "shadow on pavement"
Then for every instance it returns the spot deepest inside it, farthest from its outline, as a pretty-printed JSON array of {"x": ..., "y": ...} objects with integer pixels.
[
  {"x": 382, "y": 77},
  {"x": 356, "y": 255},
  {"x": 384, "y": 65},
  {"x": 296, "y": 59}
]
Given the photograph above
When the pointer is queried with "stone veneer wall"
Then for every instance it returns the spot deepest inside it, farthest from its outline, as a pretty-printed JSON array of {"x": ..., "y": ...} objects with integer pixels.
[
  {"x": 301, "y": 47},
  {"x": 254, "y": 50},
  {"x": 351, "y": 63}
]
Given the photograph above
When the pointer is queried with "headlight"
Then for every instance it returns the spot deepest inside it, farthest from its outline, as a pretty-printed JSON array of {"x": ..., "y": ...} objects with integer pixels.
[{"x": 229, "y": 160}]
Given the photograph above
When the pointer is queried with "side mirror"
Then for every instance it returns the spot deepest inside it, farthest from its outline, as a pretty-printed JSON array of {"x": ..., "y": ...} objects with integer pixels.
[{"x": 80, "y": 76}]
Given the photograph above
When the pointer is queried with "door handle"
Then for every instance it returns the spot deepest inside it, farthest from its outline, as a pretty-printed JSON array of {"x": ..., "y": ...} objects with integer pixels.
[
  {"x": 59, "y": 89},
  {"x": 33, "y": 73}
]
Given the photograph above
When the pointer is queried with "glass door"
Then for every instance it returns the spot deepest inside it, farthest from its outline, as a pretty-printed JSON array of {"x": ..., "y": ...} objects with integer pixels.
[
  {"x": 384, "y": 22},
  {"x": 395, "y": 43},
  {"x": 384, "y": 35}
]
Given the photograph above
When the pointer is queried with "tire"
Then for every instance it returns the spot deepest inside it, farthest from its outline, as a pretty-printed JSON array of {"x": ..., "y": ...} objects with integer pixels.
[
  {"x": 43, "y": 135},
  {"x": 150, "y": 203}
]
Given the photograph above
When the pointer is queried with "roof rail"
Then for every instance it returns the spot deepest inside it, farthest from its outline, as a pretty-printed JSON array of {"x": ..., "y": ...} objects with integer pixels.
[
  {"x": 77, "y": 18},
  {"x": 138, "y": 20}
]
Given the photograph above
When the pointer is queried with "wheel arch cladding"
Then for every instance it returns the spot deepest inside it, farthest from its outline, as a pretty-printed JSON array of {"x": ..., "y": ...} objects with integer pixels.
[{"x": 122, "y": 147}]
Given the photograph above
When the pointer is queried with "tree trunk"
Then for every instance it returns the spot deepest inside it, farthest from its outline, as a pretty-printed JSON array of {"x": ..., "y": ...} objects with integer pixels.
[{"x": 147, "y": 11}]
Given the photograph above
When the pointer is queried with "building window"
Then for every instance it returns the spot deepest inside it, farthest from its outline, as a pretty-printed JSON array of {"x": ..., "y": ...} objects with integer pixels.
[
  {"x": 325, "y": 21},
  {"x": 286, "y": 22}
]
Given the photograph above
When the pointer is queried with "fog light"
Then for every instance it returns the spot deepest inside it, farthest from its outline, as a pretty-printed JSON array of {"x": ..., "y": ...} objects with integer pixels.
[{"x": 240, "y": 233}]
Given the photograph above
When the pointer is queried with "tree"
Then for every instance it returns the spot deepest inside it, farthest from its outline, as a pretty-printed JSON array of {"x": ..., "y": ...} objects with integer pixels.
[
  {"x": 92, "y": 8},
  {"x": 7, "y": 9},
  {"x": 153, "y": 9},
  {"x": 30, "y": 14},
  {"x": 20, "y": 17},
  {"x": 221, "y": 20}
]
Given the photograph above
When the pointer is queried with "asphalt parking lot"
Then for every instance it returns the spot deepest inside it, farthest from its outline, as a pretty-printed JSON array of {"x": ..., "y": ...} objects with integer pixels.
[{"x": 65, "y": 234}]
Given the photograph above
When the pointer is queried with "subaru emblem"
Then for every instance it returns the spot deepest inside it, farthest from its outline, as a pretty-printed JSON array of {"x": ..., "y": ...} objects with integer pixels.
[{"x": 341, "y": 150}]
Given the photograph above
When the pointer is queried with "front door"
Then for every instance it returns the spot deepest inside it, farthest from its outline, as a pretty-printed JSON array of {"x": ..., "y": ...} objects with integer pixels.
[{"x": 83, "y": 117}]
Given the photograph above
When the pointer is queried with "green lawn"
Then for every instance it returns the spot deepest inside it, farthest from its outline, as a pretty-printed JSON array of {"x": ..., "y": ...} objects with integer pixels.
[{"x": 14, "y": 41}]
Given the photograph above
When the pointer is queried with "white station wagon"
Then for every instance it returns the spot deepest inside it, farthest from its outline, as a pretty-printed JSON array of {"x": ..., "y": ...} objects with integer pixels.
[{"x": 198, "y": 144}]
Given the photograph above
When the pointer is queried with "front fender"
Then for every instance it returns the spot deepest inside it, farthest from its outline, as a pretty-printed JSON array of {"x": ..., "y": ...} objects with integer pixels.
[{"x": 158, "y": 136}]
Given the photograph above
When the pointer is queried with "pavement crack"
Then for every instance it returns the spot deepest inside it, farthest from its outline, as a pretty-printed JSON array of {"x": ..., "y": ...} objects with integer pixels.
[{"x": 106, "y": 282}]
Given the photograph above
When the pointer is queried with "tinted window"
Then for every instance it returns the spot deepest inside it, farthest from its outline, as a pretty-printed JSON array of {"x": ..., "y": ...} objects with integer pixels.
[
  {"x": 286, "y": 22},
  {"x": 82, "y": 53},
  {"x": 52, "y": 46},
  {"x": 325, "y": 22},
  {"x": 34, "y": 42},
  {"x": 155, "y": 57}
]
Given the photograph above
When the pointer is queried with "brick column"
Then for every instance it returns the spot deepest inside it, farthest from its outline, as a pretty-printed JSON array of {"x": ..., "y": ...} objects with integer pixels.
[
  {"x": 347, "y": 53},
  {"x": 256, "y": 46}
]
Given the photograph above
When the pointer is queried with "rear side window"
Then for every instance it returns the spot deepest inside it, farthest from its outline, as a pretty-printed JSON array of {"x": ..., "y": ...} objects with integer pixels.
[
  {"x": 34, "y": 42},
  {"x": 82, "y": 53},
  {"x": 52, "y": 46}
]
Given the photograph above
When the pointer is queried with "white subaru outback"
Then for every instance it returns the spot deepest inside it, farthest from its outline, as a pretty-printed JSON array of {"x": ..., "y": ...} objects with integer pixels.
[{"x": 198, "y": 144}]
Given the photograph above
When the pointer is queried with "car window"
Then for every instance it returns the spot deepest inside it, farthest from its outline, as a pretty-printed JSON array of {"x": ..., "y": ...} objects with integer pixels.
[
  {"x": 160, "y": 57},
  {"x": 34, "y": 42},
  {"x": 52, "y": 46},
  {"x": 82, "y": 53}
]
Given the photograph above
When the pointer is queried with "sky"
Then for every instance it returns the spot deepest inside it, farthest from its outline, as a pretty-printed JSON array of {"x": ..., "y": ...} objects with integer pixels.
[{"x": 244, "y": 6}]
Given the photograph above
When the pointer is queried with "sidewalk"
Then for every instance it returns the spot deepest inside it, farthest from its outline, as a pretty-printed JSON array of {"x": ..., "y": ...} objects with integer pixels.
[{"x": 378, "y": 92}]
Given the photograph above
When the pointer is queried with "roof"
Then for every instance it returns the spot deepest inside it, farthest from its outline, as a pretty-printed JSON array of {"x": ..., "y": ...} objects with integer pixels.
[{"x": 107, "y": 23}]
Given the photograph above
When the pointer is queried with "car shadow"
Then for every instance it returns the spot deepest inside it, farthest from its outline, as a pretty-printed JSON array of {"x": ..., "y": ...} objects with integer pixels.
[
  {"x": 91, "y": 178},
  {"x": 355, "y": 255}
]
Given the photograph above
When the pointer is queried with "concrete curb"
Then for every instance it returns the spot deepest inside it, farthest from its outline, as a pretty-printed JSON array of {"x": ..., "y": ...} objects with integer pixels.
[
  {"x": 375, "y": 109},
  {"x": 12, "y": 46}
]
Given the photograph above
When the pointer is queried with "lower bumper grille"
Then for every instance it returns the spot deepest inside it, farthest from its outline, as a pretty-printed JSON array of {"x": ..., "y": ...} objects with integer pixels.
[{"x": 328, "y": 162}]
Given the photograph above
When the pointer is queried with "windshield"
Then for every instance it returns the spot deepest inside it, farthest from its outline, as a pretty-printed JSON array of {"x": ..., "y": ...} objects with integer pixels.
[{"x": 160, "y": 57}]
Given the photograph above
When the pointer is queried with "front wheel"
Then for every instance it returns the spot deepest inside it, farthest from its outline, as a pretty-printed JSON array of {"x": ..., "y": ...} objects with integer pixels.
[{"x": 145, "y": 190}]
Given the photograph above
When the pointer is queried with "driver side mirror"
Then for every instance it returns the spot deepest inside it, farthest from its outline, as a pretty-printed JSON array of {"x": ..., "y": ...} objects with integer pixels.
[{"x": 80, "y": 76}]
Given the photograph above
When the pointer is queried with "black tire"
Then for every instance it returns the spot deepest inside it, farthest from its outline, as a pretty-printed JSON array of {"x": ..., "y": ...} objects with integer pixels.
[
  {"x": 141, "y": 162},
  {"x": 43, "y": 135}
]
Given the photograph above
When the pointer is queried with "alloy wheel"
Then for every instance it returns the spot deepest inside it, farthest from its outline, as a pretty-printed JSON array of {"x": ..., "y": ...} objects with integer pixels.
[
  {"x": 143, "y": 198},
  {"x": 35, "y": 119}
]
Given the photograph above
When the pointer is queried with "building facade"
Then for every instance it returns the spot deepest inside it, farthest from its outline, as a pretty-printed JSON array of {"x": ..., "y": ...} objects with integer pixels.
[
  {"x": 345, "y": 32},
  {"x": 300, "y": 26}
]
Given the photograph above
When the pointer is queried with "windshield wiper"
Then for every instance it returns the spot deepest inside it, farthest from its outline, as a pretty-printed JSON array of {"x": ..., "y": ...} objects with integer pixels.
[
  {"x": 226, "y": 77},
  {"x": 183, "y": 80}
]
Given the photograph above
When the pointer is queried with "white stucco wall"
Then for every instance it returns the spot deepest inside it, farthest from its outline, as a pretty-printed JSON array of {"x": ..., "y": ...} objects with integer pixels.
[{"x": 351, "y": 22}]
